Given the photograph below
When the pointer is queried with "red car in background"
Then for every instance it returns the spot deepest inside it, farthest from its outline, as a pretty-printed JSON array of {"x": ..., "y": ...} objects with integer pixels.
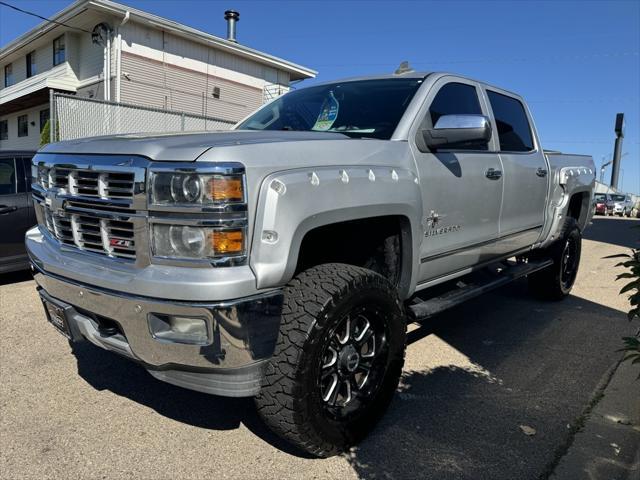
[{"x": 604, "y": 204}]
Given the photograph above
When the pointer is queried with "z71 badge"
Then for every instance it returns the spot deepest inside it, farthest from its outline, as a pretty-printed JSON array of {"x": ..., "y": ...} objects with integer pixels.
[{"x": 118, "y": 242}]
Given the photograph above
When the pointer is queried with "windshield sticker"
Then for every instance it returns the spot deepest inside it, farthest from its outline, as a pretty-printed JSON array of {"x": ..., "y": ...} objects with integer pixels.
[{"x": 328, "y": 114}]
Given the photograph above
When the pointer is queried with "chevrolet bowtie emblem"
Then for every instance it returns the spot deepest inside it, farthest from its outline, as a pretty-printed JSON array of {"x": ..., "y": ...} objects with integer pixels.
[
  {"x": 54, "y": 201},
  {"x": 432, "y": 219}
]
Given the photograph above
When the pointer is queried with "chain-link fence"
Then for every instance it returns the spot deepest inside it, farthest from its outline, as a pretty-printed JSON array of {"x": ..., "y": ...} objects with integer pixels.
[{"x": 76, "y": 117}]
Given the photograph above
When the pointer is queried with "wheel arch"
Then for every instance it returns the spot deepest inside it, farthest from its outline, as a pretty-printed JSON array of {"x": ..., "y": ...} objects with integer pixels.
[{"x": 294, "y": 203}]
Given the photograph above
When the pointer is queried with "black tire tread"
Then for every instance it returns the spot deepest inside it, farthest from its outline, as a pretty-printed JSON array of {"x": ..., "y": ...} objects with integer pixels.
[
  {"x": 545, "y": 284},
  {"x": 305, "y": 296}
]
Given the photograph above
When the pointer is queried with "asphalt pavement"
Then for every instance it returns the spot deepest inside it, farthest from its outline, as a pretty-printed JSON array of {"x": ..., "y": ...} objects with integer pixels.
[{"x": 496, "y": 388}]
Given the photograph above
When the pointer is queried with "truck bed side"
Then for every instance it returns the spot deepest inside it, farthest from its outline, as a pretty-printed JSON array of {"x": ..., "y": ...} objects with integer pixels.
[{"x": 572, "y": 181}]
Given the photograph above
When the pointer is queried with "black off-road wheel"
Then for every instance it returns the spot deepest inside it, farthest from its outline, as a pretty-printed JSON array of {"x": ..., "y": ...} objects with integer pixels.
[
  {"x": 556, "y": 281},
  {"x": 337, "y": 361}
]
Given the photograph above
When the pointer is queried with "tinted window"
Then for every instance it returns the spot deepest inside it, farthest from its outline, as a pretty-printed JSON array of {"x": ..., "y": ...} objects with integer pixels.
[
  {"x": 7, "y": 176},
  {"x": 366, "y": 108},
  {"x": 26, "y": 164},
  {"x": 514, "y": 131},
  {"x": 4, "y": 129},
  {"x": 455, "y": 98},
  {"x": 23, "y": 126}
]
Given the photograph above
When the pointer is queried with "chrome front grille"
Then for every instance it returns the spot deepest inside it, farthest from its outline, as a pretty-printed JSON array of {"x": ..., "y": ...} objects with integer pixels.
[
  {"x": 108, "y": 236},
  {"x": 95, "y": 204},
  {"x": 88, "y": 182}
]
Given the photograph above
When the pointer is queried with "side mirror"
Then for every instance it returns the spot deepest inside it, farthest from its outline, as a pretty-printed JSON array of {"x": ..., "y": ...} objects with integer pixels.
[{"x": 453, "y": 131}]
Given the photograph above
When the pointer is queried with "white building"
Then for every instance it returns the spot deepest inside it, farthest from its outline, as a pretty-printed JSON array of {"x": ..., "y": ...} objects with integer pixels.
[{"x": 110, "y": 51}]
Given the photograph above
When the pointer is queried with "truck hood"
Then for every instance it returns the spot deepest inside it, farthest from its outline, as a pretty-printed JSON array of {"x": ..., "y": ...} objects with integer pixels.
[{"x": 181, "y": 147}]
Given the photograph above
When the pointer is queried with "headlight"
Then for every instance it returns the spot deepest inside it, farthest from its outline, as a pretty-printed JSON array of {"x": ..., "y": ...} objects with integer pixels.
[
  {"x": 190, "y": 189},
  {"x": 191, "y": 242}
]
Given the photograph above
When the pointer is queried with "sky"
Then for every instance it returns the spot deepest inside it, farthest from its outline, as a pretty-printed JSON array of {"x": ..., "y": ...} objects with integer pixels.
[{"x": 576, "y": 63}]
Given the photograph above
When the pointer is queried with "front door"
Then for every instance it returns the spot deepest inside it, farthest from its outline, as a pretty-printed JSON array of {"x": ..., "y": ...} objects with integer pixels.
[
  {"x": 14, "y": 211},
  {"x": 461, "y": 188}
]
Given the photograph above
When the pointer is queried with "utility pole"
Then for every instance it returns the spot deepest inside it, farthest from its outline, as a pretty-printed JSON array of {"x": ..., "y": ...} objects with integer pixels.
[
  {"x": 619, "y": 129},
  {"x": 603, "y": 167}
]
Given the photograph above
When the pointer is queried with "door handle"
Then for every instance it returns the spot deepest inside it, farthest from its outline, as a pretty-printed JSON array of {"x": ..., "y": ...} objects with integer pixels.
[
  {"x": 493, "y": 174},
  {"x": 4, "y": 209},
  {"x": 541, "y": 172}
]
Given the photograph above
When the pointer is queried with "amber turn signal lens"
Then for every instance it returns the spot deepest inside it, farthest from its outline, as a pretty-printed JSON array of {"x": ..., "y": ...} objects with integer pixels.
[
  {"x": 225, "y": 189},
  {"x": 227, "y": 241}
]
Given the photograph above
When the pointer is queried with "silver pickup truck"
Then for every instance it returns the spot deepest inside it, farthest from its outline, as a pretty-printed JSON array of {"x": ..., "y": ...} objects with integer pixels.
[{"x": 284, "y": 259}]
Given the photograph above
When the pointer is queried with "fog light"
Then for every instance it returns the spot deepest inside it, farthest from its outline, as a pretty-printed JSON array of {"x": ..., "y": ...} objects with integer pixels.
[{"x": 179, "y": 329}]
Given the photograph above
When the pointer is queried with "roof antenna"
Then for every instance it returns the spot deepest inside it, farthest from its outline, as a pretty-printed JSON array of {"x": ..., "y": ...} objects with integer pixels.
[{"x": 403, "y": 68}]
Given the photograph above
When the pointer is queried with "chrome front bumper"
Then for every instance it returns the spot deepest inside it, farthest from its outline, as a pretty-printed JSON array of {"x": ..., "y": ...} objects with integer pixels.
[{"x": 243, "y": 333}]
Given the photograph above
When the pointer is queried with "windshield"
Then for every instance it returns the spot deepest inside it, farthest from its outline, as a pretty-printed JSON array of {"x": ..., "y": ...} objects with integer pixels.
[
  {"x": 365, "y": 108},
  {"x": 618, "y": 198},
  {"x": 600, "y": 197}
]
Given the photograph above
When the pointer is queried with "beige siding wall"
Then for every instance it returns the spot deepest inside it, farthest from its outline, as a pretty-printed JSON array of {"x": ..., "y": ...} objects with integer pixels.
[
  {"x": 168, "y": 86},
  {"x": 32, "y": 141},
  {"x": 90, "y": 57},
  {"x": 85, "y": 58},
  {"x": 44, "y": 62}
]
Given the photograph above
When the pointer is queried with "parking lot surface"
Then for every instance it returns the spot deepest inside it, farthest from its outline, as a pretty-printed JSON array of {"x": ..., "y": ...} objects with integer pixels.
[{"x": 492, "y": 389}]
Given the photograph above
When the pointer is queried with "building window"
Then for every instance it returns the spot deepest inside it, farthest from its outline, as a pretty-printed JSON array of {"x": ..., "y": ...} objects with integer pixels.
[
  {"x": 216, "y": 92},
  {"x": 44, "y": 116},
  {"x": 8, "y": 75},
  {"x": 4, "y": 129},
  {"x": 32, "y": 69},
  {"x": 23, "y": 126},
  {"x": 58, "y": 51}
]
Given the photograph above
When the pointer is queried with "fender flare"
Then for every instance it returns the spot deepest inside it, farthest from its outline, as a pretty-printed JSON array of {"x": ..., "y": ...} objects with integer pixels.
[{"x": 293, "y": 202}]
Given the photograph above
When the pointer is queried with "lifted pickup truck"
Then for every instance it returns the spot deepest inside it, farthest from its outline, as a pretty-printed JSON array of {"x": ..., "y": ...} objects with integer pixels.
[{"x": 283, "y": 260}]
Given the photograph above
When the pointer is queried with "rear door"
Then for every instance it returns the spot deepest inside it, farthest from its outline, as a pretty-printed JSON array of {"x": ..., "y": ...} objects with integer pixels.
[
  {"x": 461, "y": 203},
  {"x": 14, "y": 211},
  {"x": 526, "y": 175}
]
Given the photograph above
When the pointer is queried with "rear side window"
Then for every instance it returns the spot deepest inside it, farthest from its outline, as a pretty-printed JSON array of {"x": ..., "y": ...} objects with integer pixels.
[
  {"x": 514, "y": 130},
  {"x": 7, "y": 176},
  {"x": 455, "y": 98}
]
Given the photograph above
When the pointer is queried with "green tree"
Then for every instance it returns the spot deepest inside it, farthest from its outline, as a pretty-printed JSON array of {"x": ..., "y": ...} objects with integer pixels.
[{"x": 45, "y": 135}]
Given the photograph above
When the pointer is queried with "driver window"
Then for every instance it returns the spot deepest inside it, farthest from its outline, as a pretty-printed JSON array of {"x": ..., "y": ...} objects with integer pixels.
[{"x": 456, "y": 99}]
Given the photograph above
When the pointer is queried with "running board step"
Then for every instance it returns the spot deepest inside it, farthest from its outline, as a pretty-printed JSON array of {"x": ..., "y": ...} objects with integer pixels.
[{"x": 424, "y": 309}]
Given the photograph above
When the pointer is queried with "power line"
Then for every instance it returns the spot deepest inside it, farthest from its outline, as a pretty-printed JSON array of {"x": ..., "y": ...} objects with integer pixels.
[{"x": 43, "y": 18}]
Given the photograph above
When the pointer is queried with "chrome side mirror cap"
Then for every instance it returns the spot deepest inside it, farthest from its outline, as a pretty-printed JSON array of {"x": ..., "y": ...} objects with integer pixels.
[{"x": 451, "y": 131}]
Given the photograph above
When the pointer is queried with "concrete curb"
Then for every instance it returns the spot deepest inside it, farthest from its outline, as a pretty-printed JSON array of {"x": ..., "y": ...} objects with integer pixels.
[{"x": 608, "y": 444}]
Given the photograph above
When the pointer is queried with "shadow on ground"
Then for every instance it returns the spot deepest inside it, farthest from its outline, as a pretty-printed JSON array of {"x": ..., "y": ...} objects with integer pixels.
[
  {"x": 15, "y": 277},
  {"x": 106, "y": 371},
  {"x": 535, "y": 364},
  {"x": 614, "y": 230}
]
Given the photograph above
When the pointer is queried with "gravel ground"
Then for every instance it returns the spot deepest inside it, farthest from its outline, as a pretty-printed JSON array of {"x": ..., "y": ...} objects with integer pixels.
[{"x": 476, "y": 379}]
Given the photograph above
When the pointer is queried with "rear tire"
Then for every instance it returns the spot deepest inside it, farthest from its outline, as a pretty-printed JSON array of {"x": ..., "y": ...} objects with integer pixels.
[
  {"x": 556, "y": 281},
  {"x": 338, "y": 358}
]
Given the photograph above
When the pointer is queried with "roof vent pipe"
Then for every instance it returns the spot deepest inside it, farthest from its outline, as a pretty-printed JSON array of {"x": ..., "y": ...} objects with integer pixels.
[{"x": 231, "y": 16}]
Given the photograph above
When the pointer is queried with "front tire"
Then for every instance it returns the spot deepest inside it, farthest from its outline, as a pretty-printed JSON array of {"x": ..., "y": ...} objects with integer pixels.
[
  {"x": 338, "y": 358},
  {"x": 556, "y": 281}
]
